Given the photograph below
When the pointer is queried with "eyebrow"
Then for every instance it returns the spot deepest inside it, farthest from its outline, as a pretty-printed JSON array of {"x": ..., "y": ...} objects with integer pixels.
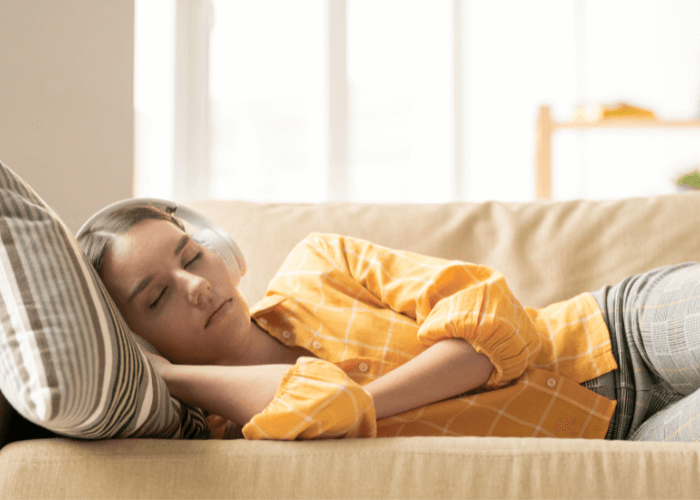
[
  {"x": 143, "y": 284},
  {"x": 181, "y": 245}
]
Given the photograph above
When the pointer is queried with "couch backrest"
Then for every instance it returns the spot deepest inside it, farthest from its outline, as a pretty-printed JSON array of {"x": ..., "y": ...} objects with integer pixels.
[{"x": 548, "y": 251}]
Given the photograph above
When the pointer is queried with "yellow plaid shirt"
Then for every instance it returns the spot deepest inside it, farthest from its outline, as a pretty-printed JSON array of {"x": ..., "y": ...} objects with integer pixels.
[{"x": 364, "y": 310}]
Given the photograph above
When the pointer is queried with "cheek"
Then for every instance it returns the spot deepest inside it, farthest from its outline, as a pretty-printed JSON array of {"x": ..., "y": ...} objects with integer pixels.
[
  {"x": 175, "y": 317},
  {"x": 222, "y": 271},
  {"x": 234, "y": 276},
  {"x": 167, "y": 333},
  {"x": 158, "y": 327}
]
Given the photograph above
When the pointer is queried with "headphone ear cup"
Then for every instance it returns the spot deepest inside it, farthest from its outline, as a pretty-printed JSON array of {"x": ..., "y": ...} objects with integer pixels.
[{"x": 227, "y": 250}]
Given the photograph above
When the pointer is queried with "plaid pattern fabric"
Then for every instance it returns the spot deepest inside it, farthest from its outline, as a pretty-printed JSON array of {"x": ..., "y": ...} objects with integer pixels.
[
  {"x": 68, "y": 362},
  {"x": 654, "y": 320},
  {"x": 308, "y": 416},
  {"x": 368, "y": 309}
]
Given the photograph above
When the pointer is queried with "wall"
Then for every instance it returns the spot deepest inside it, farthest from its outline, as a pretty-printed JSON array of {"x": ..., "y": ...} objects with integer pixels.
[{"x": 66, "y": 100}]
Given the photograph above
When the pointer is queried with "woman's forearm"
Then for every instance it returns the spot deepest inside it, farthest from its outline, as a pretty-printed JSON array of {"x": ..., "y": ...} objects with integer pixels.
[
  {"x": 446, "y": 369},
  {"x": 234, "y": 392},
  {"x": 238, "y": 393}
]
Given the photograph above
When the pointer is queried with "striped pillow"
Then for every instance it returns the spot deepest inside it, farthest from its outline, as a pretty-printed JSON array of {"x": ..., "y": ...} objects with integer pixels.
[{"x": 68, "y": 362}]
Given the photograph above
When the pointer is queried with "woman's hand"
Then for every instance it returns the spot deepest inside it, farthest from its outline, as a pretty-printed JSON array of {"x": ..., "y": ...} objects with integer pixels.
[{"x": 222, "y": 428}]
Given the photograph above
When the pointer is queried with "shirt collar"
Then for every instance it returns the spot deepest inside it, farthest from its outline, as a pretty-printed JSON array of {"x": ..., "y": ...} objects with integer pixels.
[{"x": 265, "y": 304}]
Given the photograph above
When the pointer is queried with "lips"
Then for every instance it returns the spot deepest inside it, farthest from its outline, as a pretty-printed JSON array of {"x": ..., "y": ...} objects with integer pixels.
[{"x": 219, "y": 312}]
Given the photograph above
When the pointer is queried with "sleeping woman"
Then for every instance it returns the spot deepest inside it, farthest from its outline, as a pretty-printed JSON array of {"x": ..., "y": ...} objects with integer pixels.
[{"x": 353, "y": 339}]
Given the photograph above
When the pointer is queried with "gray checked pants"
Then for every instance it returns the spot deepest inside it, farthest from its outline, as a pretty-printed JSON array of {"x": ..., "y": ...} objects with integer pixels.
[{"x": 654, "y": 324}]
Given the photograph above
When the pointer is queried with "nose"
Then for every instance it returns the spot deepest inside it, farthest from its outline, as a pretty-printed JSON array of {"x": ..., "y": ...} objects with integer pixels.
[{"x": 197, "y": 289}]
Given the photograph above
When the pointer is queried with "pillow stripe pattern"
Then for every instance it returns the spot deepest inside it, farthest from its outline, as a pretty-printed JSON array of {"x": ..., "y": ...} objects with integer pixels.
[{"x": 68, "y": 362}]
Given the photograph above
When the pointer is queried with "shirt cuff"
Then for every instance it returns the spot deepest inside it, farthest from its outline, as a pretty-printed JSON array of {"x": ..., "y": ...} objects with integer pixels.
[{"x": 315, "y": 399}]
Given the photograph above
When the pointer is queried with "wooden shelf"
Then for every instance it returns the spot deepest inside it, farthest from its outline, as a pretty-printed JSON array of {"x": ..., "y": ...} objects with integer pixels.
[
  {"x": 626, "y": 122},
  {"x": 546, "y": 127}
]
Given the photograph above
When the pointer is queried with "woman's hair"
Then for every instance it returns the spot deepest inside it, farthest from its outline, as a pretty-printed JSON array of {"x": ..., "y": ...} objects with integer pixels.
[{"x": 97, "y": 241}]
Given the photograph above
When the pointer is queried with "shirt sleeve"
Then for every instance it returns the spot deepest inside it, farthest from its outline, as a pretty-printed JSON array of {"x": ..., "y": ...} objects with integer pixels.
[
  {"x": 315, "y": 400},
  {"x": 448, "y": 299}
]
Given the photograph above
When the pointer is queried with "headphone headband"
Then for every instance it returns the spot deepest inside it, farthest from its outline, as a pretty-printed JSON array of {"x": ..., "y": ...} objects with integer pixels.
[{"x": 208, "y": 233}]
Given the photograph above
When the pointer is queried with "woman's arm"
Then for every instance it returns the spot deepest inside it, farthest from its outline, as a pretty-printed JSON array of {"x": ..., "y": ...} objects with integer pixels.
[
  {"x": 234, "y": 392},
  {"x": 446, "y": 369}
]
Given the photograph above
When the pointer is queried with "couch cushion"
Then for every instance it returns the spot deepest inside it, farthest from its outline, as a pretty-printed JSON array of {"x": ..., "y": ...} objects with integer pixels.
[
  {"x": 67, "y": 360},
  {"x": 408, "y": 467},
  {"x": 548, "y": 251}
]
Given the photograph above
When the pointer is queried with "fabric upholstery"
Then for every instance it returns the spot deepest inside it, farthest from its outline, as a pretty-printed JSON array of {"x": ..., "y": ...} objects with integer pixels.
[
  {"x": 548, "y": 251},
  {"x": 68, "y": 362},
  {"x": 383, "y": 468}
]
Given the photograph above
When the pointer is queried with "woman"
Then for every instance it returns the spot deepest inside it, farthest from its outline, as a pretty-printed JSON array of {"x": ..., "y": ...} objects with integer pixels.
[{"x": 353, "y": 340}]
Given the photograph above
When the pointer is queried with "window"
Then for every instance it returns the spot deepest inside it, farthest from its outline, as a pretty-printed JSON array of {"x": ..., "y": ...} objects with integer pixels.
[
  {"x": 408, "y": 100},
  {"x": 267, "y": 100}
]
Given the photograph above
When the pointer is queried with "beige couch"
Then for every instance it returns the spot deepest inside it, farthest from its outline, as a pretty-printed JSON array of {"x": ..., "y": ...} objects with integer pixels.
[{"x": 547, "y": 250}]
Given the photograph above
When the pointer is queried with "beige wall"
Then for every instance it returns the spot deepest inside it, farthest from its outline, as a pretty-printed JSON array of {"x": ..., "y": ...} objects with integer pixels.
[{"x": 66, "y": 100}]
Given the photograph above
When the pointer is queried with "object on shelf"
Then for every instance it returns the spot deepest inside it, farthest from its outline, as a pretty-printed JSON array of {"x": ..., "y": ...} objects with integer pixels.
[
  {"x": 691, "y": 179},
  {"x": 604, "y": 112},
  {"x": 627, "y": 111}
]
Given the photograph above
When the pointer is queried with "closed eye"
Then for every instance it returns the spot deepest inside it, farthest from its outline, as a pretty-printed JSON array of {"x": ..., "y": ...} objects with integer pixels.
[
  {"x": 194, "y": 259},
  {"x": 162, "y": 294}
]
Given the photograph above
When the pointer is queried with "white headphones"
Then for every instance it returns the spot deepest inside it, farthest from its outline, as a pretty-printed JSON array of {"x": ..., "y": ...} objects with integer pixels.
[{"x": 207, "y": 233}]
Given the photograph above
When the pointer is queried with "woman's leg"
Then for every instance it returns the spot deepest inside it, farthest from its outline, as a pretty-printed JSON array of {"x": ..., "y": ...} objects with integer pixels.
[
  {"x": 678, "y": 422},
  {"x": 665, "y": 332}
]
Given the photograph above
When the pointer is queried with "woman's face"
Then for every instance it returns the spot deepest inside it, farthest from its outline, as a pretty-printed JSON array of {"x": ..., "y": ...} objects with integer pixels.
[{"x": 176, "y": 294}]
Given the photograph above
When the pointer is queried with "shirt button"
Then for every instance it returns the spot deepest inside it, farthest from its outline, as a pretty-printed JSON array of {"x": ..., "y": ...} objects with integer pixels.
[
  {"x": 263, "y": 321},
  {"x": 363, "y": 367},
  {"x": 316, "y": 344},
  {"x": 286, "y": 334},
  {"x": 551, "y": 382}
]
